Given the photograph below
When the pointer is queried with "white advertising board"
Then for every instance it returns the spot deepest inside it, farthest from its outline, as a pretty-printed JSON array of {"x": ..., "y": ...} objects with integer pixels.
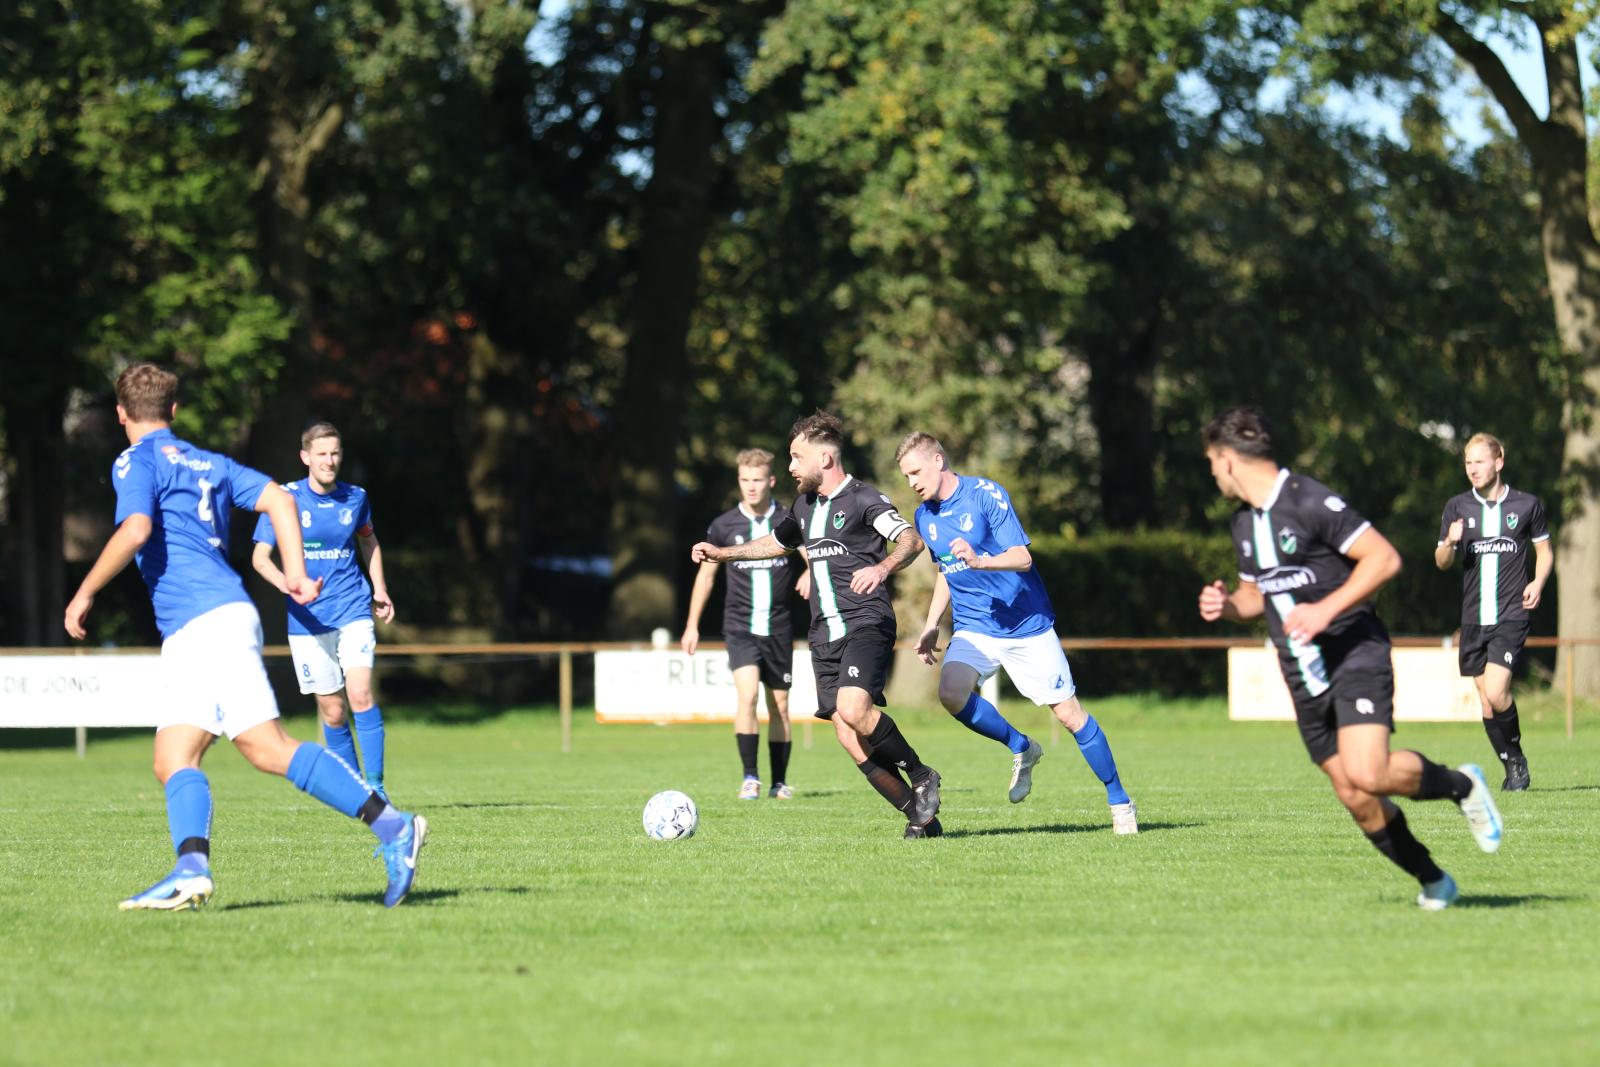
[
  {"x": 1427, "y": 686},
  {"x": 52, "y": 691},
  {"x": 667, "y": 686}
]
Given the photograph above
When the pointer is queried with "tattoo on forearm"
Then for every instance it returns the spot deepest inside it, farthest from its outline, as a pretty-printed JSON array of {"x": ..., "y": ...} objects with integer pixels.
[{"x": 906, "y": 547}]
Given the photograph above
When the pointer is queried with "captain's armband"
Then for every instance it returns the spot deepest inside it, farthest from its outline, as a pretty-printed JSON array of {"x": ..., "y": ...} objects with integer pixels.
[{"x": 788, "y": 533}]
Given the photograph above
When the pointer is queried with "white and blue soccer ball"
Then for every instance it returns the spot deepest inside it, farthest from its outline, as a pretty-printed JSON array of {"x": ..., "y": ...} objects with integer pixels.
[{"x": 670, "y": 815}]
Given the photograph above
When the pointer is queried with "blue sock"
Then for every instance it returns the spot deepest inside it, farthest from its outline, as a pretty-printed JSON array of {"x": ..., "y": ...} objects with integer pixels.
[
  {"x": 337, "y": 740},
  {"x": 369, "y": 731},
  {"x": 389, "y": 824},
  {"x": 1097, "y": 754},
  {"x": 321, "y": 773},
  {"x": 189, "y": 817},
  {"x": 982, "y": 717}
]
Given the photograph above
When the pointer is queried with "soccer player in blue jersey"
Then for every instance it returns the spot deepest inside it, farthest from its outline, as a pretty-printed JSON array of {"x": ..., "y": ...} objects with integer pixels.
[
  {"x": 173, "y": 505},
  {"x": 332, "y": 639},
  {"x": 1002, "y": 618}
]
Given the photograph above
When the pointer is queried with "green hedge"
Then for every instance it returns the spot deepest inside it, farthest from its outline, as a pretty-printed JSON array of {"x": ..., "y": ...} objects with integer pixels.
[{"x": 1145, "y": 584}]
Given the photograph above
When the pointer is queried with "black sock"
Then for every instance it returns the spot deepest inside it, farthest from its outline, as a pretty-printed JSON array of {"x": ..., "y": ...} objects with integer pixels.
[
  {"x": 889, "y": 784},
  {"x": 1497, "y": 740},
  {"x": 195, "y": 844},
  {"x": 1439, "y": 781},
  {"x": 890, "y": 747},
  {"x": 749, "y": 745},
  {"x": 1405, "y": 851},
  {"x": 371, "y": 809},
  {"x": 1511, "y": 730},
  {"x": 778, "y": 753}
]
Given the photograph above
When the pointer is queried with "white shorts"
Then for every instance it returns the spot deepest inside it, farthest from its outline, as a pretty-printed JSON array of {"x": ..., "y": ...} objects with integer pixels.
[
  {"x": 214, "y": 675},
  {"x": 1036, "y": 665},
  {"x": 321, "y": 660}
]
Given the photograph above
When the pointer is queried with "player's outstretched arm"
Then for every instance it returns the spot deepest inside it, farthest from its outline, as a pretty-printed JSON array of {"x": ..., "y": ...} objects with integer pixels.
[
  {"x": 123, "y": 544},
  {"x": 261, "y": 560},
  {"x": 928, "y": 643},
  {"x": 698, "y": 596},
  {"x": 1376, "y": 562},
  {"x": 372, "y": 556},
  {"x": 767, "y": 547},
  {"x": 279, "y": 506}
]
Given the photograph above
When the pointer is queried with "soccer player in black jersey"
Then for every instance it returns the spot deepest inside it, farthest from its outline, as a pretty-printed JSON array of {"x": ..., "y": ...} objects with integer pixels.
[
  {"x": 1311, "y": 564},
  {"x": 1493, "y": 525},
  {"x": 842, "y": 525},
  {"x": 755, "y": 622}
]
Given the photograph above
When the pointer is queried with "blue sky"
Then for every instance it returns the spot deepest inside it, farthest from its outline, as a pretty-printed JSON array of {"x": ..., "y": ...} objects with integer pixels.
[{"x": 1464, "y": 104}]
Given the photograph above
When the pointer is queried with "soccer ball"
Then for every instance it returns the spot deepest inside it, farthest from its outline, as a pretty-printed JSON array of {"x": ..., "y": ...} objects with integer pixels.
[{"x": 670, "y": 815}]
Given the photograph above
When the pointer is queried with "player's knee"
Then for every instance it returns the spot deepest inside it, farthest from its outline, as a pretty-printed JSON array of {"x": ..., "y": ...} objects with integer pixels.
[
  {"x": 360, "y": 699},
  {"x": 1367, "y": 780},
  {"x": 332, "y": 710},
  {"x": 953, "y": 695}
]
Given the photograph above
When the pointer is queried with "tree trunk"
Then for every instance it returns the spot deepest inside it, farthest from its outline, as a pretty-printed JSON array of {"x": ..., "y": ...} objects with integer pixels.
[
  {"x": 1558, "y": 146},
  {"x": 498, "y": 432},
  {"x": 1572, "y": 262},
  {"x": 38, "y": 443},
  {"x": 646, "y": 554}
]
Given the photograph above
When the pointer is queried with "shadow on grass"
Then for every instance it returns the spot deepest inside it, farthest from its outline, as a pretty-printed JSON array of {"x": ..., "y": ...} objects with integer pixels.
[
  {"x": 1510, "y": 900},
  {"x": 487, "y": 804},
  {"x": 1566, "y": 789},
  {"x": 1069, "y": 828},
  {"x": 419, "y": 897}
]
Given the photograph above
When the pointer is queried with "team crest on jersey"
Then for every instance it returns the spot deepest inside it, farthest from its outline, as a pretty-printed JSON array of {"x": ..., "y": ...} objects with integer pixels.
[
  {"x": 738, "y": 539},
  {"x": 1472, "y": 524},
  {"x": 838, "y": 520},
  {"x": 966, "y": 522},
  {"x": 346, "y": 516},
  {"x": 1511, "y": 521},
  {"x": 1287, "y": 540}
]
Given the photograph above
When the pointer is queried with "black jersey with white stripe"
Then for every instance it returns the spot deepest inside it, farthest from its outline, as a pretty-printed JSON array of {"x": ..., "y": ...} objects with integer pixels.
[
  {"x": 1495, "y": 540},
  {"x": 843, "y": 533},
  {"x": 756, "y": 601},
  {"x": 1294, "y": 549}
]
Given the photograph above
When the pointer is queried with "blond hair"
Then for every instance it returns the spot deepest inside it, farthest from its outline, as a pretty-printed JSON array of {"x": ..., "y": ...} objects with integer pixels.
[
  {"x": 754, "y": 457},
  {"x": 915, "y": 441},
  {"x": 1487, "y": 440},
  {"x": 147, "y": 392}
]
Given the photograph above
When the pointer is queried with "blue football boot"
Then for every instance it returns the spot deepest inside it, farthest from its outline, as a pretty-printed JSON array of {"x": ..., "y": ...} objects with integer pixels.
[
  {"x": 179, "y": 891},
  {"x": 400, "y": 859}
]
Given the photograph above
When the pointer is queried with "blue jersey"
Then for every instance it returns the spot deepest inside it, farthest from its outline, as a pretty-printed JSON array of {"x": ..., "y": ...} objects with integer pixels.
[
  {"x": 995, "y": 603},
  {"x": 329, "y": 524},
  {"x": 189, "y": 495}
]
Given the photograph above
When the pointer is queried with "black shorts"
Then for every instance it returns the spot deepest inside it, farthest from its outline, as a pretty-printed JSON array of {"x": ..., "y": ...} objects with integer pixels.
[
  {"x": 774, "y": 655},
  {"x": 1356, "y": 681},
  {"x": 1483, "y": 645},
  {"x": 860, "y": 658}
]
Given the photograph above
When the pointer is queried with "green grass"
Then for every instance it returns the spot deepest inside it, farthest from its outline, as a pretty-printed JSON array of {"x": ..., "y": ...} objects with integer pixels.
[{"x": 1248, "y": 924}]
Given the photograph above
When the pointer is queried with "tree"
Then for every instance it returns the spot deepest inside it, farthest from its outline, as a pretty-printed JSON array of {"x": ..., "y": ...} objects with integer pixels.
[{"x": 1365, "y": 39}]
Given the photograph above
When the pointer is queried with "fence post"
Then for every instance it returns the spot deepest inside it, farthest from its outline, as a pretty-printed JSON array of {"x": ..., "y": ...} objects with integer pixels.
[
  {"x": 566, "y": 698},
  {"x": 82, "y": 735},
  {"x": 1571, "y": 651}
]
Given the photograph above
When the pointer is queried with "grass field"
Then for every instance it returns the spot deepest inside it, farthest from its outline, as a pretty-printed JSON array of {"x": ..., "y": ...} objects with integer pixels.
[{"x": 1249, "y": 923}]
